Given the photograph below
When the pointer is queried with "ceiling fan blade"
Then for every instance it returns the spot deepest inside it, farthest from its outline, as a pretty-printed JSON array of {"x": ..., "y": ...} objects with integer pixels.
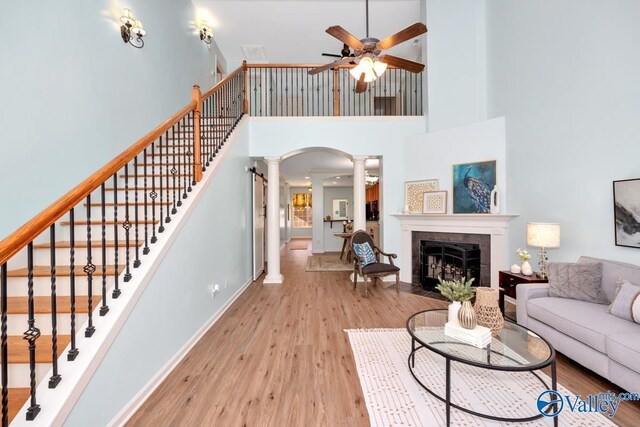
[
  {"x": 329, "y": 66},
  {"x": 402, "y": 36},
  {"x": 345, "y": 37},
  {"x": 333, "y": 55},
  {"x": 405, "y": 64},
  {"x": 361, "y": 86}
]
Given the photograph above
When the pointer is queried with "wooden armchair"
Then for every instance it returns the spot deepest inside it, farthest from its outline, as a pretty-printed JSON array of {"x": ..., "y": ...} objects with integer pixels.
[{"x": 374, "y": 270}]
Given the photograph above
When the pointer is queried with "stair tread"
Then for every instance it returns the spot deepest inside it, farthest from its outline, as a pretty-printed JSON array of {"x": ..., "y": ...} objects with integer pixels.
[
  {"x": 42, "y": 304},
  {"x": 111, "y": 222},
  {"x": 62, "y": 271},
  {"x": 19, "y": 348},
  {"x": 17, "y": 397},
  {"x": 83, "y": 244}
]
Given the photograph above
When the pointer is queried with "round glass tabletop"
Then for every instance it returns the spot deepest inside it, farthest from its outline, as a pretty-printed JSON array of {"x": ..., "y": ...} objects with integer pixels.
[{"x": 514, "y": 348}]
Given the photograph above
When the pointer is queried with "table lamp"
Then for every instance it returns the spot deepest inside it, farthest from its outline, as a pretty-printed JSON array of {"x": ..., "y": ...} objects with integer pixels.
[{"x": 544, "y": 236}]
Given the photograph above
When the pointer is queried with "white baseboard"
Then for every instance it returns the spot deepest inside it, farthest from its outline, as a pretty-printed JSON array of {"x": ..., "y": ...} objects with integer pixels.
[{"x": 134, "y": 404}]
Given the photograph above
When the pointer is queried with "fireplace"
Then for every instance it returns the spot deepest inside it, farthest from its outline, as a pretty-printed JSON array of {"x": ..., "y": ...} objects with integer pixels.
[{"x": 448, "y": 260}]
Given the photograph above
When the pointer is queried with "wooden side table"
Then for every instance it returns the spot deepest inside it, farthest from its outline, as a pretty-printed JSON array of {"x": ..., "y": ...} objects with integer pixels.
[{"x": 508, "y": 282}]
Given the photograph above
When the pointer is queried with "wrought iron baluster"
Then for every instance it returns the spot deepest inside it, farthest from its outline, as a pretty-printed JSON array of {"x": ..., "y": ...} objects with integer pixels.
[
  {"x": 4, "y": 350},
  {"x": 146, "y": 249},
  {"x": 186, "y": 182},
  {"x": 104, "y": 308},
  {"x": 160, "y": 169},
  {"x": 73, "y": 351},
  {"x": 127, "y": 226},
  {"x": 116, "y": 269},
  {"x": 31, "y": 335},
  {"x": 136, "y": 263},
  {"x": 177, "y": 156},
  {"x": 89, "y": 269},
  {"x": 153, "y": 195},
  {"x": 167, "y": 220},
  {"x": 55, "y": 378},
  {"x": 173, "y": 170}
]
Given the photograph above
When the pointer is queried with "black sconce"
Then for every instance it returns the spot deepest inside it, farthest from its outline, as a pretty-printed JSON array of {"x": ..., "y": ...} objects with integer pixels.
[
  {"x": 132, "y": 27},
  {"x": 206, "y": 35}
]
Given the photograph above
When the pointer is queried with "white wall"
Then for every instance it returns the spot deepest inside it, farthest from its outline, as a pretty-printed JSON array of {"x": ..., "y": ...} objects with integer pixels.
[
  {"x": 565, "y": 75},
  {"x": 331, "y": 242},
  {"x": 374, "y": 136},
  {"x": 431, "y": 155},
  {"x": 176, "y": 303},
  {"x": 455, "y": 62},
  {"x": 73, "y": 94}
]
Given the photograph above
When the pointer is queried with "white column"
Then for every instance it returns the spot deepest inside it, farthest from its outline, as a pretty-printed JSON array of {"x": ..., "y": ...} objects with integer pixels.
[
  {"x": 359, "y": 197},
  {"x": 273, "y": 222},
  {"x": 317, "y": 212}
]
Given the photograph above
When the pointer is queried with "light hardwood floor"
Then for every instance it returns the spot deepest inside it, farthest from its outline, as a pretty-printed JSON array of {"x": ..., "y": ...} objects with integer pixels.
[{"x": 279, "y": 357}]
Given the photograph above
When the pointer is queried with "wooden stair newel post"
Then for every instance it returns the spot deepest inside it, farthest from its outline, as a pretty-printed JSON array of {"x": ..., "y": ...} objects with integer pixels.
[
  {"x": 336, "y": 92},
  {"x": 245, "y": 100},
  {"x": 196, "y": 96}
]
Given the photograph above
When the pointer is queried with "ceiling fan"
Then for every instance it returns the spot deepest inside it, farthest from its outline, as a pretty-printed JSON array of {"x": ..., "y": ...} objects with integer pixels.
[
  {"x": 345, "y": 52},
  {"x": 370, "y": 64}
]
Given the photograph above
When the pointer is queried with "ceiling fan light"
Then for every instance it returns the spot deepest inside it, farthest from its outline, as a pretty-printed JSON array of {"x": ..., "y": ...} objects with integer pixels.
[
  {"x": 366, "y": 64},
  {"x": 370, "y": 76},
  {"x": 355, "y": 72},
  {"x": 379, "y": 67}
]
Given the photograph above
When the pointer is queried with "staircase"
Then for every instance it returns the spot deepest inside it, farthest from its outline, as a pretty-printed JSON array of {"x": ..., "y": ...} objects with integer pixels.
[{"x": 60, "y": 271}]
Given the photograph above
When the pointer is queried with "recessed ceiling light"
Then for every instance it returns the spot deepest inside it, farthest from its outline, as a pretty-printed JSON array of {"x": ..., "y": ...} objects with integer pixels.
[
  {"x": 337, "y": 177},
  {"x": 334, "y": 182},
  {"x": 254, "y": 52},
  {"x": 306, "y": 177}
]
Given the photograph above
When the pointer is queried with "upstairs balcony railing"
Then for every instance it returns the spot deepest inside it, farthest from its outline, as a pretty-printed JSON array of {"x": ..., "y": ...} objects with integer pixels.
[{"x": 277, "y": 90}]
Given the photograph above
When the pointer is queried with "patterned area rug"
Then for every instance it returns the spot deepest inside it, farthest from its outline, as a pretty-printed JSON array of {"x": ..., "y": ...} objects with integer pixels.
[
  {"x": 298, "y": 245},
  {"x": 327, "y": 262},
  {"x": 393, "y": 397}
]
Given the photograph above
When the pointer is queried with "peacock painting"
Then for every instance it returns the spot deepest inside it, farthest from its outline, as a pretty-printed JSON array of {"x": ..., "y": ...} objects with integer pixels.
[{"x": 472, "y": 185}]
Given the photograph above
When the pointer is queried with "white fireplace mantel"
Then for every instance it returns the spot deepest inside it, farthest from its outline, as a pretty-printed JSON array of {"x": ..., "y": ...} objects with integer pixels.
[{"x": 492, "y": 225}]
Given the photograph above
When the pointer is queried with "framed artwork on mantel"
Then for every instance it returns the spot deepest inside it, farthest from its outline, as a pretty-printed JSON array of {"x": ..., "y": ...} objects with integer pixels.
[
  {"x": 414, "y": 194},
  {"x": 626, "y": 212},
  {"x": 472, "y": 186},
  {"x": 435, "y": 202}
]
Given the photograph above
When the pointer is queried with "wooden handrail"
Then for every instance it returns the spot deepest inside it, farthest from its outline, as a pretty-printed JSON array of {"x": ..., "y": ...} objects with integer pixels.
[
  {"x": 389, "y": 67},
  {"x": 222, "y": 82},
  {"x": 17, "y": 240}
]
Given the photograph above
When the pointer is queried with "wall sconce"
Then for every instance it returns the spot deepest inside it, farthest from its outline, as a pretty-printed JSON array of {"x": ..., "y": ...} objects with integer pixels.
[
  {"x": 206, "y": 35},
  {"x": 130, "y": 28}
]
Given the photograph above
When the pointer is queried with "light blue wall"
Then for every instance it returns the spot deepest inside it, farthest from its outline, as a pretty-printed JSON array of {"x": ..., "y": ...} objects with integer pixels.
[
  {"x": 213, "y": 246},
  {"x": 73, "y": 94},
  {"x": 565, "y": 75}
]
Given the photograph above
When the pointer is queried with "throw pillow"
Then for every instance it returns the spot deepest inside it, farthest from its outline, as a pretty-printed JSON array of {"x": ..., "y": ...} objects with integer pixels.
[
  {"x": 627, "y": 302},
  {"x": 580, "y": 281},
  {"x": 364, "y": 251}
]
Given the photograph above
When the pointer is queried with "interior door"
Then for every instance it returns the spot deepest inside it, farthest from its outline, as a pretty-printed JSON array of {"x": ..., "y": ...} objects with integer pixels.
[{"x": 259, "y": 223}]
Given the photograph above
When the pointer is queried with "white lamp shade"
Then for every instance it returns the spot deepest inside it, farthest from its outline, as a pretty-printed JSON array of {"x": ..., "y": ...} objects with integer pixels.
[
  {"x": 355, "y": 72},
  {"x": 138, "y": 29},
  {"x": 379, "y": 67},
  {"x": 127, "y": 17},
  {"x": 543, "y": 235}
]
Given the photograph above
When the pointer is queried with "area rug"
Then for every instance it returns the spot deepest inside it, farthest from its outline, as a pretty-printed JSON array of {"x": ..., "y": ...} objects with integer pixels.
[
  {"x": 298, "y": 245},
  {"x": 327, "y": 262},
  {"x": 393, "y": 397}
]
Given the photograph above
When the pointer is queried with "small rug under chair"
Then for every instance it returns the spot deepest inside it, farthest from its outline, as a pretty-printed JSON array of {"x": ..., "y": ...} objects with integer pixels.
[
  {"x": 393, "y": 397},
  {"x": 327, "y": 262}
]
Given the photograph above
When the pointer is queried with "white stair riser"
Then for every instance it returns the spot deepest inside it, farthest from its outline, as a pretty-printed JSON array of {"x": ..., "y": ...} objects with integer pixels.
[
  {"x": 17, "y": 323},
  {"x": 18, "y": 374},
  {"x": 17, "y": 286},
  {"x": 96, "y": 233},
  {"x": 42, "y": 256}
]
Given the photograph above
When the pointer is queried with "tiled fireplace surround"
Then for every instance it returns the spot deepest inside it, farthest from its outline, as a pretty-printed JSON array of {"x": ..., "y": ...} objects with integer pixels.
[{"x": 417, "y": 227}]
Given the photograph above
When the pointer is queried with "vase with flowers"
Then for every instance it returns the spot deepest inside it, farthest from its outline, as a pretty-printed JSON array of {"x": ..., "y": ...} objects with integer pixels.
[
  {"x": 524, "y": 258},
  {"x": 459, "y": 292}
]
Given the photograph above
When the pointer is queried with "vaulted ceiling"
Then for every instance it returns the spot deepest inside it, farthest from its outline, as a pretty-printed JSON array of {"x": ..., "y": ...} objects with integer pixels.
[{"x": 294, "y": 31}]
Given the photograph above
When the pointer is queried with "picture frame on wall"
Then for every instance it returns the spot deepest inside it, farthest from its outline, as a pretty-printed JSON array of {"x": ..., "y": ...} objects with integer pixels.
[
  {"x": 472, "y": 186},
  {"x": 434, "y": 202},
  {"x": 414, "y": 194},
  {"x": 626, "y": 212}
]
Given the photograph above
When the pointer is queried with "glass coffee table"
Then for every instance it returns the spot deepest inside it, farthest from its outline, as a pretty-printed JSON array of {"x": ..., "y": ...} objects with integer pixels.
[{"x": 515, "y": 349}]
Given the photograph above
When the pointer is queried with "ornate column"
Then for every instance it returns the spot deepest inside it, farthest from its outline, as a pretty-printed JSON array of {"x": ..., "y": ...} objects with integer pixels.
[
  {"x": 273, "y": 222},
  {"x": 359, "y": 194}
]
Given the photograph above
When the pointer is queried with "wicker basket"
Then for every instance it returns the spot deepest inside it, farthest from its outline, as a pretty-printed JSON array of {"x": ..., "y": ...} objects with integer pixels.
[{"x": 487, "y": 309}]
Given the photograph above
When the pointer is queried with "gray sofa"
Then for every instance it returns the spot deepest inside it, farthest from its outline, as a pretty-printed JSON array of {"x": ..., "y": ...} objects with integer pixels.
[{"x": 586, "y": 331}]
